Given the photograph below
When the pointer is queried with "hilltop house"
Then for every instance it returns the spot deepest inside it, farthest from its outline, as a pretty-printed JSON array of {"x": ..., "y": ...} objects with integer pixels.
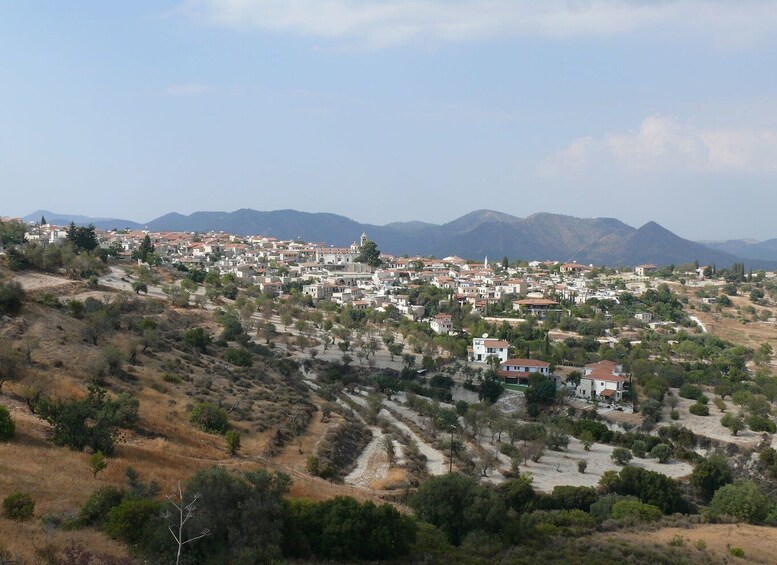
[
  {"x": 645, "y": 270},
  {"x": 602, "y": 380},
  {"x": 442, "y": 324},
  {"x": 518, "y": 371},
  {"x": 537, "y": 307},
  {"x": 483, "y": 348}
]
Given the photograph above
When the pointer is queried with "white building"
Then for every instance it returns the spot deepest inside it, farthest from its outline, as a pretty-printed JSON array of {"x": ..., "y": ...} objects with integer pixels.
[
  {"x": 518, "y": 371},
  {"x": 442, "y": 324},
  {"x": 602, "y": 380},
  {"x": 483, "y": 348}
]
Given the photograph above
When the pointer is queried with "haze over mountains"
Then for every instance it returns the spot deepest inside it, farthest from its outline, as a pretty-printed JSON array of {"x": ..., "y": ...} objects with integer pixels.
[{"x": 600, "y": 241}]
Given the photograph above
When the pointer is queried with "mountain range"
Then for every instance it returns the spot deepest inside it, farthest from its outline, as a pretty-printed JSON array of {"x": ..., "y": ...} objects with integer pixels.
[{"x": 599, "y": 241}]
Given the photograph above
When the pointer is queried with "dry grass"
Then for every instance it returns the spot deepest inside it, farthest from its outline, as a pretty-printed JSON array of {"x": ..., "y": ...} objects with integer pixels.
[{"x": 758, "y": 542}]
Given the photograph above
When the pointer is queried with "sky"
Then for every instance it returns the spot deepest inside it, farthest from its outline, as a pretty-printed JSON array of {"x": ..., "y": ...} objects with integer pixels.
[{"x": 394, "y": 110}]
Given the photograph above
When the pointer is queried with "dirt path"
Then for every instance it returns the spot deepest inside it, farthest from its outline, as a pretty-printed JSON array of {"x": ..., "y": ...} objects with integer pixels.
[
  {"x": 435, "y": 461},
  {"x": 372, "y": 465}
]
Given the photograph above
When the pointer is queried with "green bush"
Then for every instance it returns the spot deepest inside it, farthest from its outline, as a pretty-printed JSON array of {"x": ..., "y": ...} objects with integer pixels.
[
  {"x": 96, "y": 508},
  {"x": 699, "y": 409},
  {"x": 761, "y": 424},
  {"x": 11, "y": 298},
  {"x": 232, "y": 438},
  {"x": 648, "y": 486},
  {"x": 691, "y": 391},
  {"x": 675, "y": 415},
  {"x": 129, "y": 520},
  {"x": 240, "y": 357},
  {"x": 711, "y": 474},
  {"x": 18, "y": 506},
  {"x": 633, "y": 509},
  {"x": 639, "y": 448},
  {"x": 7, "y": 426},
  {"x": 598, "y": 430},
  {"x": 210, "y": 418},
  {"x": 742, "y": 500},
  {"x": 621, "y": 455},
  {"x": 662, "y": 452}
]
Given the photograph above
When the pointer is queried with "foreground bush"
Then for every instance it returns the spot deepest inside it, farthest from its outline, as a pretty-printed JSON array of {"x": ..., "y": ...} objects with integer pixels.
[
  {"x": 742, "y": 500},
  {"x": 210, "y": 418},
  {"x": 7, "y": 426},
  {"x": 18, "y": 506}
]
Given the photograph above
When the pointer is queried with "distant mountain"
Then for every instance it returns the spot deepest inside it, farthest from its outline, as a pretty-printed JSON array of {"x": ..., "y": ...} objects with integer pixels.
[
  {"x": 65, "y": 219},
  {"x": 599, "y": 241},
  {"x": 760, "y": 250}
]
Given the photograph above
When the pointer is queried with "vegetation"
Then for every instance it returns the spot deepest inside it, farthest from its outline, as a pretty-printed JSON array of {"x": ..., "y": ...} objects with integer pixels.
[{"x": 18, "y": 506}]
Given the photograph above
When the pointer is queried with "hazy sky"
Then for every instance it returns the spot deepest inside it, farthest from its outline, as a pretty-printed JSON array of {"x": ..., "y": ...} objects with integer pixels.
[{"x": 388, "y": 110}]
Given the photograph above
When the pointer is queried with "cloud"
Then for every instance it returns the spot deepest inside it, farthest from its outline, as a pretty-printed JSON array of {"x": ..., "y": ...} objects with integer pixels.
[
  {"x": 663, "y": 144},
  {"x": 191, "y": 89},
  {"x": 382, "y": 23}
]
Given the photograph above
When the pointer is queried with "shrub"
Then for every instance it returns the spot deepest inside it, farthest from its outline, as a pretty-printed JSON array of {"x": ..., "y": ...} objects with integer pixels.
[
  {"x": 711, "y": 474},
  {"x": 582, "y": 465},
  {"x": 662, "y": 452},
  {"x": 7, "y": 426},
  {"x": 96, "y": 508},
  {"x": 742, "y": 500},
  {"x": 598, "y": 430},
  {"x": 736, "y": 551},
  {"x": 11, "y": 298},
  {"x": 761, "y": 424},
  {"x": 18, "y": 506},
  {"x": 233, "y": 441},
  {"x": 601, "y": 510},
  {"x": 209, "y": 418},
  {"x": 639, "y": 448},
  {"x": 675, "y": 415},
  {"x": 633, "y": 509},
  {"x": 735, "y": 423},
  {"x": 650, "y": 487},
  {"x": 691, "y": 391},
  {"x": 699, "y": 409},
  {"x": 621, "y": 455},
  {"x": 240, "y": 357},
  {"x": 93, "y": 421},
  {"x": 129, "y": 520}
]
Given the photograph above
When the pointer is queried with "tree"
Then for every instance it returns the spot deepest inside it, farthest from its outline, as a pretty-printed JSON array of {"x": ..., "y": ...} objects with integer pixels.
[
  {"x": 177, "y": 520},
  {"x": 82, "y": 238},
  {"x": 742, "y": 500},
  {"x": 491, "y": 388},
  {"x": 541, "y": 390},
  {"x": 140, "y": 286},
  {"x": 197, "y": 338},
  {"x": 711, "y": 474},
  {"x": 369, "y": 254},
  {"x": 210, "y": 418},
  {"x": 662, "y": 452},
  {"x": 735, "y": 423},
  {"x": 458, "y": 505},
  {"x": 11, "y": 298},
  {"x": 146, "y": 248},
  {"x": 232, "y": 438},
  {"x": 621, "y": 455},
  {"x": 97, "y": 463},
  {"x": 10, "y": 365},
  {"x": 7, "y": 426}
]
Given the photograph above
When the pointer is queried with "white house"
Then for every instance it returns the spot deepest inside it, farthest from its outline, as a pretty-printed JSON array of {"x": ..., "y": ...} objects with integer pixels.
[
  {"x": 483, "y": 348},
  {"x": 518, "y": 371},
  {"x": 645, "y": 270},
  {"x": 602, "y": 380},
  {"x": 442, "y": 324}
]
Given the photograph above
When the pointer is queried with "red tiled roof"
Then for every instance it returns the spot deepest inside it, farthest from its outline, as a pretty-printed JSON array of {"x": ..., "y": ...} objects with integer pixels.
[{"x": 526, "y": 363}]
